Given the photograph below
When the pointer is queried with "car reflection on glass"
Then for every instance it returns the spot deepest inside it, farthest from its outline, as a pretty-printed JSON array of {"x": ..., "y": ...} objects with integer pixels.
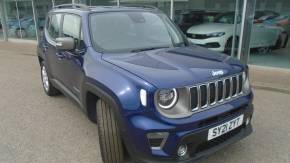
[
  {"x": 187, "y": 19},
  {"x": 218, "y": 35},
  {"x": 25, "y": 27}
]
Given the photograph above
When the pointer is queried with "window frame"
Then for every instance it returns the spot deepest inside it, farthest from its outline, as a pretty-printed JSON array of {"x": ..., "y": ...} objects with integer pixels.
[
  {"x": 77, "y": 46},
  {"x": 48, "y": 26}
]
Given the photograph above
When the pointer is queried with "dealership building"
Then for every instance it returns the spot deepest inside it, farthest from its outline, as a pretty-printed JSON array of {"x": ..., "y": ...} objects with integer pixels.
[{"x": 264, "y": 42}]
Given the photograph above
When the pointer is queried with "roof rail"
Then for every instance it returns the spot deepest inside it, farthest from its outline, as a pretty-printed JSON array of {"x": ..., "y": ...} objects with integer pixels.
[
  {"x": 143, "y": 6},
  {"x": 75, "y": 6}
]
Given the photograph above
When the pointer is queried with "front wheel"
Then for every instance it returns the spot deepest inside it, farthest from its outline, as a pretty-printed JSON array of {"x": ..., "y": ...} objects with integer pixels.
[
  {"x": 109, "y": 134},
  {"x": 229, "y": 46}
]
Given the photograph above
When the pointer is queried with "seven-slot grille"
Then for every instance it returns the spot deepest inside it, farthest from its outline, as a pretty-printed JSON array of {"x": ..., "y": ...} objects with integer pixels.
[{"x": 212, "y": 93}]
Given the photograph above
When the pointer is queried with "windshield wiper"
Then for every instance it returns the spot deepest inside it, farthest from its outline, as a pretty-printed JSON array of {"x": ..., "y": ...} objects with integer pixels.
[{"x": 146, "y": 49}]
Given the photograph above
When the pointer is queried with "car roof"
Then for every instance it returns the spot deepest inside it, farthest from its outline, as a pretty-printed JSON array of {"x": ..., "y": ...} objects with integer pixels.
[{"x": 79, "y": 9}]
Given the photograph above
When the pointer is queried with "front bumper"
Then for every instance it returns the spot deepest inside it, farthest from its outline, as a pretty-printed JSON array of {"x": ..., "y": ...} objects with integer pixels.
[
  {"x": 214, "y": 43},
  {"x": 193, "y": 135}
]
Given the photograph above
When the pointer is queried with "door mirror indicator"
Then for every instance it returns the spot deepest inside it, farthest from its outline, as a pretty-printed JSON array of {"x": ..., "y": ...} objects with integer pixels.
[{"x": 65, "y": 43}]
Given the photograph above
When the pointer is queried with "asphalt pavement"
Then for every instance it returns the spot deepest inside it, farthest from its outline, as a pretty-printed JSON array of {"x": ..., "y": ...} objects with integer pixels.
[{"x": 41, "y": 129}]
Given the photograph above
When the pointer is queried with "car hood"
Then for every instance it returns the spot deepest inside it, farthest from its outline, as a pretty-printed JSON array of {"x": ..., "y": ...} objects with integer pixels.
[
  {"x": 176, "y": 67},
  {"x": 210, "y": 28}
]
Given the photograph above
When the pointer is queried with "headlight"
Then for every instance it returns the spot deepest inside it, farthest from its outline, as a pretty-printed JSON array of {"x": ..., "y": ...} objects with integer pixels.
[
  {"x": 217, "y": 34},
  {"x": 167, "y": 98},
  {"x": 246, "y": 83},
  {"x": 173, "y": 103}
]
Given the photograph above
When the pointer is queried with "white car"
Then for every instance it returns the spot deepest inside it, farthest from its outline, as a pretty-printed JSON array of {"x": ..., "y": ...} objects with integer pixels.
[{"x": 218, "y": 36}]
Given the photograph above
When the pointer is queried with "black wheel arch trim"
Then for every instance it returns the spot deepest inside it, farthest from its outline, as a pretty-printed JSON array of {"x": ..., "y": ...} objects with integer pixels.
[{"x": 104, "y": 93}]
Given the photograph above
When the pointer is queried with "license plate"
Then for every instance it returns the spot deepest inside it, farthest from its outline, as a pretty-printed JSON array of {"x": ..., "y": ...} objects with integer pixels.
[{"x": 225, "y": 127}]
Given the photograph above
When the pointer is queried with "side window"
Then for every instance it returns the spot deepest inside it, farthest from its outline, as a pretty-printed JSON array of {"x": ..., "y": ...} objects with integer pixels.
[
  {"x": 54, "y": 27},
  {"x": 72, "y": 28}
]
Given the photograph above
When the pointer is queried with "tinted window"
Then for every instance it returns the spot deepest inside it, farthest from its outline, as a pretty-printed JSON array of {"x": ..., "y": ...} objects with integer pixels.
[
  {"x": 72, "y": 28},
  {"x": 54, "y": 26},
  {"x": 227, "y": 18}
]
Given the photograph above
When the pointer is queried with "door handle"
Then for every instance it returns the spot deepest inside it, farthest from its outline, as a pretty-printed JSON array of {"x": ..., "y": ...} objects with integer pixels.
[{"x": 60, "y": 55}]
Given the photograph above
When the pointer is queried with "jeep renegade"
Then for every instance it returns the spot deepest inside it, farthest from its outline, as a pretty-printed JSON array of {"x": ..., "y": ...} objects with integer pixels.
[{"x": 154, "y": 96}]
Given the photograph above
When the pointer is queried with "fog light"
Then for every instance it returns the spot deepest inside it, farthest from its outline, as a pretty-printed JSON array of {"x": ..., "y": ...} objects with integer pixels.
[
  {"x": 248, "y": 121},
  {"x": 182, "y": 150}
]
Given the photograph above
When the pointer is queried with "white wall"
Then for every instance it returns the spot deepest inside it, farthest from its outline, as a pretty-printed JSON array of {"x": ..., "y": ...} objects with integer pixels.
[{"x": 280, "y": 6}]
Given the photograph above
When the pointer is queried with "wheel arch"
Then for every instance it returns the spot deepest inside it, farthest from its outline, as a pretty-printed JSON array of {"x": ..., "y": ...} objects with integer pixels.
[{"x": 94, "y": 91}]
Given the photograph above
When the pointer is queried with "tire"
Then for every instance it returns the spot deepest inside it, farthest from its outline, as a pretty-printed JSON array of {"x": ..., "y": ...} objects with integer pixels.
[
  {"x": 228, "y": 47},
  {"x": 286, "y": 41},
  {"x": 109, "y": 135},
  {"x": 21, "y": 33},
  {"x": 279, "y": 42},
  {"x": 48, "y": 88},
  {"x": 264, "y": 50}
]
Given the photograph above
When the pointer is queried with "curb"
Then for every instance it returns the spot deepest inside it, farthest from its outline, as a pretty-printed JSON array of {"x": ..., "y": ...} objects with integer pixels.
[{"x": 271, "y": 88}]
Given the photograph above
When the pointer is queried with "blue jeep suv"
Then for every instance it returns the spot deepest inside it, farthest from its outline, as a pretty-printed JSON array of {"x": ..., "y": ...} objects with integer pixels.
[{"x": 154, "y": 96}]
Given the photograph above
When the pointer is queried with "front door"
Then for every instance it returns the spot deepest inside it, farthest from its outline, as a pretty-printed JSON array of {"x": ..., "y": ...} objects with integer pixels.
[
  {"x": 54, "y": 58},
  {"x": 73, "y": 59}
]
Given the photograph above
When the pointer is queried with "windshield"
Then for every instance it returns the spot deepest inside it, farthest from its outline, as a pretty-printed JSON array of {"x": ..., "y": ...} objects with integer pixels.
[
  {"x": 227, "y": 18},
  {"x": 133, "y": 31}
]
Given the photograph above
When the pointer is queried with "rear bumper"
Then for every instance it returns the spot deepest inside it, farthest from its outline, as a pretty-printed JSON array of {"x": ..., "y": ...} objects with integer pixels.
[{"x": 194, "y": 134}]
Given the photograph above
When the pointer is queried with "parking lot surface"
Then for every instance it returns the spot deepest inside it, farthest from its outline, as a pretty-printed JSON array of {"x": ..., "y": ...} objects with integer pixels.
[{"x": 38, "y": 128}]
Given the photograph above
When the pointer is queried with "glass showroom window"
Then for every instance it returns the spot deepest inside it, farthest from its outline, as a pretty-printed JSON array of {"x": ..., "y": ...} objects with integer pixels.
[
  {"x": 163, "y": 5},
  {"x": 271, "y": 30},
  {"x": 20, "y": 19},
  {"x": 1, "y": 26},
  {"x": 213, "y": 24},
  {"x": 97, "y": 2},
  {"x": 61, "y": 2},
  {"x": 41, "y": 8}
]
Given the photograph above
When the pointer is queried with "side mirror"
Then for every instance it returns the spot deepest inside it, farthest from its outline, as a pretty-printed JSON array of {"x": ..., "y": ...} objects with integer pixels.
[{"x": 65, "y": 43}]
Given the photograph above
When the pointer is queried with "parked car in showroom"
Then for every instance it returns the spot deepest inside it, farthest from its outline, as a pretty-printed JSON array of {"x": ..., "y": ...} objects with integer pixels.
[
  {"x": 25, "y": 27},
  {"x": 187, "y": 19},
  {"x": 261, "y": 16},
  {"x": 154, "y": 96},
  {"x": 218, "y": 36},
  {"x": 284, "y": 22}
]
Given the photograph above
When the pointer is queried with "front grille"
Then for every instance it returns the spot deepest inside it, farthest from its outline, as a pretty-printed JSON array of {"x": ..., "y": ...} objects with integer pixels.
[
  {"x": 213, "y": 93},
  {"x": 197, "y": 36}
]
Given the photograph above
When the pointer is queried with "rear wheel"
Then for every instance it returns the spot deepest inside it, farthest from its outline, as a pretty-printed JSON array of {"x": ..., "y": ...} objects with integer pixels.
[
  {"x": 49, "y": 89},
  {"x": 109, "y": 134},
  {"x": 282, "y": 41},
  {"x": 286, "y": 41},
  {"x": 21, "y": 33},
  {"x": 264, "y": 50}
]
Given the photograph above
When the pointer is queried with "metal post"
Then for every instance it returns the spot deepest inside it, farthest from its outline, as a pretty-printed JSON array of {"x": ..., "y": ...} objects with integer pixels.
[
  {"x": 171, "y": 9},
  {"x": 3, "y": 21},
  {"x": 246, "y": 30},
  {"x": 118, "y": 2},
  {"x": 35, "y": 16},
  {"x": 234, "y": 41},
  {"x": 53, "y": 3},
  {"x": 19, "y": 23}
]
